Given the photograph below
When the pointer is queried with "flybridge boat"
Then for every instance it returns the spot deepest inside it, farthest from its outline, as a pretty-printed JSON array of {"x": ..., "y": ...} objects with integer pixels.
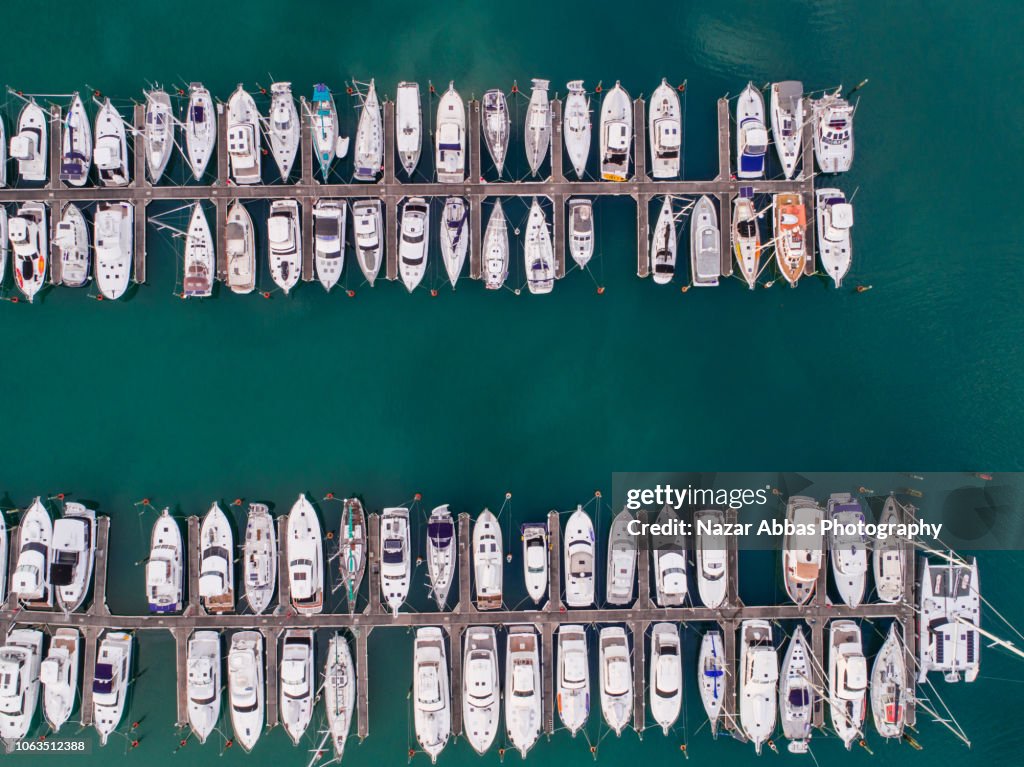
[
  {"x": 369, "y": 153},
  {"x": 241, "y": 250},
  {"x": 31, "y": 580},
  {"x": 849, "y": 549},
  {"x": 368, "y": 224},
  {"x": 573, "y": 684},
  {"x": 481, "y": 695},
  {"x": 298, "y": 685},
  {"x": 323, "y": 123},
  {"x": 200, "y": 129},
  {"x": 664, "y": 245},
  {"x": 803, "y": 552},
  {"x": 759, "y": 674},
  {"x": 788, "y": 123},
  {"x": 158, "y": 135},
  {"x": 72, "y": 555},
  {"x": 244, "y": 138},
  {"x": 797, "y": 698},
  {"x": 394, "y": 557},
  {"x": 751, "y": 134},
  {"x": 432, "y": 700},
  {"x": 616, "y": 134},
  {"x": 666, "y": 133},
  {"x": 833, "y": 132},
  {"x": 59, "y": 677},
  {"x": 305, "y": 558},
  {"x": 579, "y": 559},
  {"x": 245, "y": 687},
  {"x": 538, "y": 126},
  {"x": 496, "y": 248},
  {"x": 790, "y": 236},
  {"x": 409, "y": 126},
  {"x": 496, "y": 126},
  {"x": 711, "y": 557},
  {"x": 487, "y": 561},
  {"x": 705, "y": 243},
  {"x": 950, "y": 616},
  {"x": 441, "y": 553},
  {"x": 576, "y": 126},
  {"x": 110, "y": 685},
  {"x": 203, "y": 661},
  {"x": 616, "y": 677},
  {"x": 111, "y": 150},
  {"x": 712, "y": 679},
  {"x": 216, "y": 562},
  {"x": 329, "y": 240},
  {"x": 199, "y": 257},
  {"x": 666, "y": 685},
  {"x": 451, "y": 137},
  {"x": 352, "y": 548},
  {"x": 454, "y": 236},
  {"x": 113, "y": 235},
  {"x": 835, "y": 219},
  {"x": 285, "y": 243},
  {"x": 535, "y": 559},
  {"x": 259, "y": 558},
  {"x": 28, "y": 236},
  {"x": 890, "y": 687},
  {"x": 581, "y": 230},
  {"x": 523, "y": 688},
  {"x": 28, "y": 145},
  {"x": 284, "y": 128},
  {"x": 668, "y": 555},
  {"x": 20, "y": 659},
  {"x": 622, "y": 557},
  {"x": 847, "y": 681},
  {"x": 71, "y": 243},
  {"x": 888, "y": 557},
  {"x": 538, "y": 253},
  {"x": 165, "y": 568},
  {"x": 339, "y": 691},
  {"x": 76, "y": 144},
  {"x": 746, "y": 236},
  {"x": 413, "y": 241}
]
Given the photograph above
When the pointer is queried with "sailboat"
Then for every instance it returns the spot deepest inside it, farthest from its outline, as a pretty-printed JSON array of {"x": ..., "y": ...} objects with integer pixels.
[
  {"x": 369, "y": 152},
  {"x": 711, "y": 556},
  {"x": 847, "y": 681},
  {"x": 616, "y": 134},
  {"x": 481, "y": 694},
  {"x": 29, "y": 144},
  {"x": 244, "y": 138},
  {"x": 664, "y": 245},
  {"x": 788, "y": 122},
  {"x": 576, "y": 126},
  {"x": 538, "y": 252},
  {"x": 665, "y": 126},
  {"x": 20, "y": 660},
  {"x": 488, "y": 561},
  {"x": 581, "y": 230},
  {"x": 537, "y": 133},
  {"x": 409, "y": 126},
  {"x": 216, "y": 562},
  {"x": 803, "y": 550},
  {"x": 666, "y": 683},
  {"x": 329, "y": 241},
  {"x": 285, "y": 242},
  {"x": 200, "y": 129},
  {"x": 339, "y": 691},
  {"x": 751, "y": 134},
  {"x": 849, "y": 549},
  {"x": 746, "y": 237},
  {"x": 165, "y": 567},
  {"x": 245, "y": 687},
  {"x": 259, "y": 558},
  {"x": 76, "y": 144},
  {"x": 833, "y": 132},
  {"x": 949, "y": 634},
  {"x": 241, "y": 249},
  {"x": 111, "y": 150},
  {"x": 573, "y": 684},
  {"x": 394, "y": 557},
  {"x": 496, "y": 126},
  {"x": 790, "y": 236},
  {"x": 579, "y": 550},
  {"x": 668, "y": 556},
  {"x": 451, "y": 137},
  {"x": 72, "y": 555},
  {"x": 110, "y": 685},
  {"x": 113, "y": 242},
  {"x": 535, "y": 559},
  {"x": 835, "y": 219},
  {"x": 352, "y": 548},
  {"x": 203, "y": 663},
  {"x": 305, "y": 558},
  {"x": 615, "y": 677},
  {"x": 59, "y": 677},
  {"x": 298, "y": 685},
  {"x": 759, "y": 674},
  {"x": 890, "y": 687},
  {"x": 28, "y": 232},
  {"x": 284, "y": 129},
  {"x": 888, "y": 557},
  {"x": 712, "y": 679},
  {"x": 441, "y": 553},
  {"x": 496, "y": 248},
  {"x": 30, "y": 582},
  {"x": 368, "y": 224},
  {"x": 522, "y": 688},
  {"x": 158, "y": 135},
  {"x": 797, "y": 697},
  {"x": 412, "y": 242},
  {"x": 71, "y": 246},
  {"x": 705, "y": 243},
  {"x": 432, "y": 702},
  {"x": 622, "y": 556},
  {"x": 323, "y": 123},
  {"x": 199, "y": 257},
  {"x": 454, "y": 236}
]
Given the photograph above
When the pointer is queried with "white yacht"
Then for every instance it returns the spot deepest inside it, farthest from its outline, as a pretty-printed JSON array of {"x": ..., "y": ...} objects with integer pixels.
[
  {"x": 111, "y": 150},
  {"x": 576, "y": 126},
  {"x": 285, "y": 241},
  {"x": 833, "y": 132},
  {"x": 573, "y": 683},
  {"x": 408, "y": 126},
  {"x": 537, "y": 133},
  {"x": 890, "y": 687},
  {"x": 759, "y": 675},
  {"x": 241, "y": 249},
  {"x": 4, "y": 555},
  {"x": 165, "y": 566},
  {"x": 352, "y": 548},
  {"x": 441, "y": 553},
  {"x": 746, "y": 237},
  {"x": 803, "y": 550},
  {"x": 244, "y": 138},
  {"x": 581, "y": 230},
  {"x": 413, "y": 242},
  {"x": 496, "y": 248},
  {"x": 847, "y": 680},
  {"x": 245, "y": 687},
  {"x": 20, "y": 658},
  {"x": 664, "y": 244},
  {"x": 368, "y": 224},
  {"x": 200, "y": 129},
  {"x": 579, "y": 550},
  {"x": 283, "y": 128},
  {"x": 110, "y": 685},
  {"x": 949, "y": 639},
  {"x": 72, "y": 555},
  {"x": 200, "y": 261},
  {"x": 454, "y": 236},
  {"x": 797, "y": 698},
  {"x": 394, "y": 557},
  {"x": 59, "y": 677},
  {"x": 711, "y": 557},
  {"x": 496, "y": 126},
  {"x": 616, "y": 134},
  {"x": 432, "y": 699},
  {"x": 712, "y": 677},
  {"x": 329, "y": 241},
  {"x": 71, "y": 246},
  {"x": 203, "y": 663},
  {"x": 666, "y": 131},
  {"x": 622, "y": 555},
  {"x": 535, "y": 559},
  {"x": 668, "y": 557},
  {"x": 751, "y": 134},
  {"x": 259, "y": 558},
  {"x": 113, "y": 233},
  {"x": 4, "y": 241},
  {"x": 369, "y": 153},
  {"x": 888, "y": 557},
  {"x": 76, "y": 144},
  {"x": 216, "y": 562},
  {"x": 488, "y": 561},
  {"x": 3, "y": 155},
  {"x": 849, "y": 549},
  {"x": 28, "y": 236},
  {"x": 31, "y": 579},
  {"x": 666, "y": 685},
  {"x": 705, "y": 243},
  {"x": 339, "y": 691},
  {"x": 451, "y": 137},
  {"x": 323, "y": 124},
  {"x": 538, "y": 252},
  {"x": 835, "y": 219},
  {"x": 298, "y": 683},
  {"x": 305, "y": 550},
  {"x": 788, "y": 122},
  {"x": 523, "y": 689},
  {"x": 481, "y": 693},
  {"x": 29, "y": 145},
  {"x": 158, "y": 135},
  {"x": 615, "y": 677}
]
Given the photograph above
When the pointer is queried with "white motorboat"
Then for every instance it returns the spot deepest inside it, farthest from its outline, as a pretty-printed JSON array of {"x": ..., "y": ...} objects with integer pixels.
[
  {"x": 847, "y": 681},
  {"x": 488, "y": 561},
  {"x": 797, "y": 698},
  {"x": 285, "y": 241},
  {"x": 432, "y": 699},
  {"x": 394, "y": 557},
  {"x": 4, "y": 241},
  {"x": 496, "y": 248},
  {"x": 30, "y": 582},
  {"x": 241, "y": 249},
  {"x": 352, "y": 548},
  {"x": 581, "y": 230},
  {"x": 203, "y": 662},
  {"x": 788, "y": 123},
  {"x": 72, "y": 555},
  {"x": 792, "y": 254},
  {"x": 165, "y": 566},
  {"x": 305, "y": 558},
  {"x": 712, "y": 677},
  {"x": 496, "y": 126},
  {"x": 59, "y": 677},
  {"x": 441, "y": 553},
  {"x": 113, "y": 234},
  {"x": 537, "y": 133},
  {"x": 29, "y": 144},
  {"x": 481, "y": 694},
  {"x": 110, "y": 685},
  {"x": 666, "y": 685},
  {"x": 890, "y": 687},
  {"x": 20, "y": 659},
  {"x": 615, "y": 677},
  {"x": 535, "y": 559},
  {"x": 244, "y": 138},
  {"x": 259, "y": 558},
  {"x": 759, "y": 675},
  {"x": 622, "y": 556},
  {"x": 573, "y": 683},
  {"x": 111, "y": 151},
  {"x": 705, "y": 243},
  {"x": 616, "y": 134},
  {"x": 848, "y": 546},
  {"x": 579, "y": 550},
  {"x": 451, "y": 137},
  {"x": 298, "y": 684},
  {"x": 833, "y": 132},
  {"x": 523, "y": 688},
  {"x": 711, "y": 556},
  {"x": 668, "y": 557},
  {"x": 28, "y": 234},
  {"x": 949, "y": 635},
  {"x": 4, "y": 554},
  {"x": 76, "y": 144},
  {"x": 216, "y": 562},
  {"x": 538, "y": 252},
  {"x": 200, "y": 129},
  {"x": 666, "y": 131},
  {"x": 413, "y": 242},
  {"x": 200, "y": 261},
  {"x": 71, "y": 246},
  {"x": 329, "y": 241},
  {"x": 803, "y": 550},
  {"x": 368, "y": 224},
  {"x": 746, "y": 237},
  {"x": 339, "y": 691},
  {"x": 751, "y": 134},
  {"x": 409, "y": 126},
  {"x": 835, "y": 219},
  {"x": 284, "y": 128},
  {"x": 454, "y": 236},
  {"x": 323, "y": 124},
  {"x": 369, "y": 153},
  {"x": 664, "y": 243},
  {"x": 245, "y": 687},
  {"x": 158, "y": 135},
  {"x": 888, "y": 557},
  {"x": 576, "y": 126}
]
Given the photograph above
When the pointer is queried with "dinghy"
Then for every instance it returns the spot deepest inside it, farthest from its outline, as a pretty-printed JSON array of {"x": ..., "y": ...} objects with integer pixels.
[
  {"x": 454, "y": 236},
  {"x": 158, "y": 135},
  {"x": 538, "y": 126},
  {"x": 284, "y": 129},
  {"x": 76, "y": 144},
  {"x": 408, "y": 126},
  {"x": 496, "y": 126},
  {"x": 200, "y": 261},
  {"x": 200, "y": 129},
  {"x": 576, "y": 127}
]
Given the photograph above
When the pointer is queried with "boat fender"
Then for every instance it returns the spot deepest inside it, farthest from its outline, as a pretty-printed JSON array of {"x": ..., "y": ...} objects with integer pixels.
[
  {"x": 597, "y": 493},
  {"x": 684, "y": 289},
  {"x": 135, "y": 744},
  {"x": 145, "y": 501},
  {"x": 330, "y": 535},
  {"x": 265, "y": 152}
]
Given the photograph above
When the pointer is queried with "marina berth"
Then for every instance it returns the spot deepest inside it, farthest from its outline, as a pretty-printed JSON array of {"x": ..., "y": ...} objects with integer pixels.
[
  {"x": 537, "y": 134},
  {"x": 665, "y": 128},
  {"x": 305, "y": 559},
  {"x": 58, "y": 675},
  {"x": 535, "y": 559},
  {"x": 216, "y": 562},
  {"x": 339, "y": 691},
  {"x": 158, "y": 136},
  {"x": 711, "y": 677},
  {"x": 481, "y": 693},
  {"x": 847, "y": 681},
  {"x": 323, "y": 124},
  {"x": 298, "y": 684},
  {"x": 450, "y": 156},
  {"x": 110, "y": 685},
  {"x": 496, "y": 126},
  {"x": 666, "y": 683},
  {"x": 523, "y": 688},
  {"x": 622, "y": 556},
  {"x": 165, "y": 567},
  {"x": 441, "y": 553},
  {"x": 576, "y": 127},
  {"x": 203, "y": 660},
  {"x": 431, "y": 693},
  {"x": 200, "y": 129},
  {"x": 72, "y": 555},
  {"x": 615, "y": 677},
  {"x": 409, "y": 126},
  {"x": 580, "y": 552},
  {"x": 245, "y": 687},
  {"x": 20, "y": 659},
  {"x": 352, "y": 549},
  {"x": 395, "y": 560},
  {"x": 488, "y": 561},
  {"x": 76, "y": 144},
  {"x": 244, "y": 150},
  {"x": 573, "y": 685},
  {"x": 29, "y": 144},
  {"x": 259, "y": 558}
]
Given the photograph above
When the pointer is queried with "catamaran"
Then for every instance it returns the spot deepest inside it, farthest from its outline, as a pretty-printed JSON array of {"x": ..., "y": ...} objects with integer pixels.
[
  {"x": 76, "y": 144},
  {"x": 573, "y": 685},
  {"x": 113, "y": 235},
  {"x": 432, "y": 700},
  {"x": 28, "y": 236},
  {"x": 835, "y": 219},
  {"x": 451, "y": 137},
  {"x": 305, "y": 558},
  {"x": 581, "y": 230},
  {"x": 535, "y": 559},
  {"x": 199, "y": 257},
  {"x": 454, "y": 236},
  {"x": 788, "y": 122},
  {"x": 412, "y": 242},
  {"x": 890, "y": 687},
  {"x": 496, "y": 248},
  {"x": 323, "y": 123},
  {"x": 616, "y": 134},
  {"x": 615, "y": 676},
  {"x": 203, "y": 662},
  {"x": 664, "y": 245},
  {"x": 576, "y": 126},
  {"x": 481, "y": 694},
  {"x": 259, "y": 558},
  {"x": 245, "y": 687},
  {"x": 244, "y": 138},
  {"x": 668, "y": 556},
  {"x": 711, "y": 556},
  {"x": 847, "y": 681},
  {"x": 72, "y": 555},
  {"x": 20, "y": 659},
  {"x": 488, "y": 561},
  {"x": 538, "y": 252},
  {"x": 216, "y": 562},
  {"x": 329, "y": 241},
  {"x": 849, "y": 548},
  {"x": 29, "y": 144},
  {"x": 165, "y": 568},
  {"x": 111, "y": 150},
  {"x": 200, "y": 129},
  {"x": 803, "y": 550},
  {"x": 751, "y": 134},
  {"x": 59, "y": 677},
  {"x": 339, "y": 691},
  {"x": 791, "y": 250},
  {"x": 298, "y": 685},
  {"x": 284, "y": 128},
  {"x": 665, "y": 127},
  {"x": 746, "y": 237},
  {"x": 352, "y": 548},
  {"x": 496, "y": 126},
  {"x": 705, "y": 243},
  {"x": 833, "y": 132},
  {"x": 666, "y": 683},
  {"x": 110, "y": 685},
  {"x": 759, "y": 673},
  {"x": 369, "y": 154},
  {"x": 241, "y": 249},
  {"x": 285, "y": 241},
  {"x": 949, "y": 638},
  {"x": 368, "y": 224},
  {"x": 538, "y": 126},
  {"x": 409, "y": 126},
  {"x": 712, "y": 679},
  {"x": 441, "y": 553},
  {"x": 522, "y": 688},
  {"x": 158, "y": 135},
  {"x": 622, "y": 556},
  {"x": 71, "y": 243},
  {"x": 888, "y": 557},
  {"x": 394, "y": 557},
  {"x": 31, "y": 580},
  {"x": 579, "y": 551},
  {"x": 797, "y": 697}
]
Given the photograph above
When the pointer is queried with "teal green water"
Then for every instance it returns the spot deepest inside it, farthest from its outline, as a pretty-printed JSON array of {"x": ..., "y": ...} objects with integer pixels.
[{"x": 469, "y": 395}]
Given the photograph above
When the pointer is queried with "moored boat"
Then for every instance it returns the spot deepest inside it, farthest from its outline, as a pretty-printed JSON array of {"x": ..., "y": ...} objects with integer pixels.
[
  {"x": 666, "y": 683},
  {"x": 759, "y": 674},
  {"x": 833, "y": 132},
  {"x": 29, "y": 144},
  {"x": 200, "y": 129},
  {"x": 847, "y": 681},
  {"x": 305, "y": 558},
  {"x": 538, "y": 252},
  {"x": 339, "y": 691},
  {"x": 797, "y": 698},
  {"x": 244, "y": 138},
  {"x": 579, "y": 550},
  {"x": 848, "y": 547},
  {"x": 522, "y": 688},
  {"x": 441, "y": 553},
  {"x": 76, "y": 144},
  {"x": 668, "y": 556},
  {"x": 751, "y": 134},
  {"x": 616, "y": 134},
  {"x": 451, "y": 137},
  {"x": 481, "y": 693},
  {"x": 835, "y": 219},
  {"x": 245, "y": 687},
  {"x": 496, "y": 126},
  {"x": 259, "y": 558},
  {"x": 203, "y": 661},
  {"x": 165, "y": 567},
  {"x": 711, "y": 556},
  {"x": 890, "y": 687},
  {"x": 20, "y": 659},
  {"x": 432, "y": 714},
  {"x": 888, "y": 557},
  {"x": 113, "y": 234},
  {"x": 576, "y": 126},
  {"x": 323, "y": 123},
  {"x": 352, "y": 548},
  {"x": 30, "y": 582},
  {"x": 285, "y": 242},
  {"x": 488, "y": 561},
  {"x": 408, "y": 126},
  {"x": 664, "y": 244},
  {"x": 537, "y": 134},
  {"x": 283, "y": 128},
  {"x": 216, "y": 562},
  {"x": 369, "y": 152},
  {"x": 110, "y": 685},
  {"x": 298, "y": 685},
  {"x": 368, "y": 225},
  {"x": 615, "y": 676},
  {"x": 413, "y": 241},
  {"x": 58, "y": 675},
  {"x": 28, "y": 232},
  {"x": 949, "y": 637},
  {"x": 329, "y": 241},
  {"x": 790, "y": 236},
  {"x": 71, "y": 246},
  {"x": 788, "y": 122},
  {"x": 665, "y": 127},
  {"x": 581, "y": 230},
  {"x": 394, "y": 557},
  {"x": 496, "y": 248},
  {"x": 746, "y": 237},
  {"x": 535, "y": 559},
  {"x": 705, "y": 243},
  {"x": 454, "y": 236},
  {"x": 111, "y": 150},
  {"x": 622, "y": 556},
  {"x": 803, "y": 549},
  {"x": 712, "y": 679},
  {"x": 199, "y": 257},
  {"x": 72, "y": 555},
  {"x": 158, "y": 135},
  {"x": 573, "y": 684},
  {"x": 241, "y": 249}
]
